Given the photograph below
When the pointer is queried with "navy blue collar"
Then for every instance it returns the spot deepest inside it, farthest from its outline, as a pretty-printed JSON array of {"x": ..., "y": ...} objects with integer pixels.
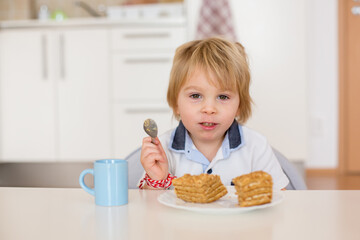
[{"x": 233, "y": 134}]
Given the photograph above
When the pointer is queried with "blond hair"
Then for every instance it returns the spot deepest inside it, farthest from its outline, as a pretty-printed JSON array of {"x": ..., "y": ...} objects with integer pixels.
[{"x": 225, "y": 60}]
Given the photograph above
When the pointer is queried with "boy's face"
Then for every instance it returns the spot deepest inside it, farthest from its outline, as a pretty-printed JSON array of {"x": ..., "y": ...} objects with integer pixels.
[{"x": 205, "y": 110}]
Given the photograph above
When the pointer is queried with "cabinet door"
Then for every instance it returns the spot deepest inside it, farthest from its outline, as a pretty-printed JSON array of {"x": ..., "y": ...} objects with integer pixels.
[
  {"x": 83, "y": 104},
  {"x": 128, "y": 124},
  {"x": 26, "y": 97},
  {"x": 140, "y": 39},
  {"x": 139, "y": 77}
]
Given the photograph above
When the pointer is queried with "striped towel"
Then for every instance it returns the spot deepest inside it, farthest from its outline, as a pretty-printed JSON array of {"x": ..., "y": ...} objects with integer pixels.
[{"x": 215, "y": 20}]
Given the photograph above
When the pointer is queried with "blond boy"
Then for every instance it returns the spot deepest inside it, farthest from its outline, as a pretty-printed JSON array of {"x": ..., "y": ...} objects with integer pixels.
[{"x": 209, "y": 95}]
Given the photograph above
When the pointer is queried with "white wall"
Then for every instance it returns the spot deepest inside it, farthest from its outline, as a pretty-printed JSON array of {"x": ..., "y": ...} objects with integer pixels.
[
  {"x": 292, "y": 46},
  {"x": 322, "y": 75}
]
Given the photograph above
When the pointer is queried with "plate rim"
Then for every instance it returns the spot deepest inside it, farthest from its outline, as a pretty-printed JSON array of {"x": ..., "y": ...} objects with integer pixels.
[{"x": 224, "y": 210}]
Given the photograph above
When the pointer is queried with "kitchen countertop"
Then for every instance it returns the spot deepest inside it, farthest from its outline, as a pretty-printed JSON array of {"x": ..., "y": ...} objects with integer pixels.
[
  {"x": 81, "y": 22},
  {"x": 58, "y": 213}
]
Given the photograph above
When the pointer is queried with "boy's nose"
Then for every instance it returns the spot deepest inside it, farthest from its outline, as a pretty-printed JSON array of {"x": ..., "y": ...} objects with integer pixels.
[{"x": 209, "y": 108}]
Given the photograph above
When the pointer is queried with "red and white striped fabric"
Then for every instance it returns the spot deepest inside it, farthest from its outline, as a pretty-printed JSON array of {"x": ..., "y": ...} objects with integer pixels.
[
  {"x": 162, "y": 184},
  {"x": 215, "y": 20}
]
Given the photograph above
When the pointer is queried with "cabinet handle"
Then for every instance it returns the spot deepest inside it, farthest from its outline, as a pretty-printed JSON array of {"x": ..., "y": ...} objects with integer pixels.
[
  {"x": 146, "y": 35},
  {"x": 146, "y": 60},
  {"x": 62, "y": 57},
  {"x": 44, "y": 57},
  {"x": 147, "y": 110}
]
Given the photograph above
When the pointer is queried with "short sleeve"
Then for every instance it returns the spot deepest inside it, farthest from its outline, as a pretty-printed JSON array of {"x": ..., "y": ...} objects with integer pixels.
[{"x": 265, "y": 160}]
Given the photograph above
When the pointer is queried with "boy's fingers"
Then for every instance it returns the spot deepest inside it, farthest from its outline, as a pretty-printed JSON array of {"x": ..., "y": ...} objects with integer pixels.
[
  {"x": 155, "y": 141},
  {"x": 147, "y": 140},
  {"x": 155, "y": 157},
  {"x": 149, "y": 157}
]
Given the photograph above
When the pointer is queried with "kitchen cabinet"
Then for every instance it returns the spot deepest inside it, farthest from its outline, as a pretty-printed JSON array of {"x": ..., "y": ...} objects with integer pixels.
[
  {"x": 141, "y": 77},
  {"x": 54, "y": 94},
  {"x": 141, "y": 63},
  {"x": 27, "y": 97}
]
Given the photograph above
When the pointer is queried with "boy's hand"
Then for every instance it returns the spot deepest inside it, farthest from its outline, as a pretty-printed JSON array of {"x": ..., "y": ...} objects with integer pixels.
[{"x": 153, "y": 159}]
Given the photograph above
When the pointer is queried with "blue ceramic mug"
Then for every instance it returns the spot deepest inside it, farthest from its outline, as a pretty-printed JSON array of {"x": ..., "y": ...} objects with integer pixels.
[{"x": 110, "y": 182}]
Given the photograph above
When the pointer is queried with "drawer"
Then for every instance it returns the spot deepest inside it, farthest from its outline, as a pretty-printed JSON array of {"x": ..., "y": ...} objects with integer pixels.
[
  {"x": 128, "y": 124},
  {"x": 141, "y": 76},
  {"x": 147, "y": 38}
]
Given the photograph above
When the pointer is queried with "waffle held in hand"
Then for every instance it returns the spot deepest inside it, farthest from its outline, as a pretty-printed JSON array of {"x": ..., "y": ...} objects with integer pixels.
[
  {"x": 203, "y": 188},
  {"x": 254, "y": 188}
]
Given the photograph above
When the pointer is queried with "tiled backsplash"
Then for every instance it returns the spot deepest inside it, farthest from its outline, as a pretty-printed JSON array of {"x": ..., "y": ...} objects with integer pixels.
[{"x": 28, "y": 9}]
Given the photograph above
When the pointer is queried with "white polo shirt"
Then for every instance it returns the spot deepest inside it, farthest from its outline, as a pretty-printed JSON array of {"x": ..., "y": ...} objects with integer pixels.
[{"x": 243, "y": 151}]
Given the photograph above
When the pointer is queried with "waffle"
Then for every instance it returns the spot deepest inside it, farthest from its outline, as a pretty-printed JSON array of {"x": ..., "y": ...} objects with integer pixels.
[
  {"x": 254, "y": 188},
  {"x": 203, "y": 188}
]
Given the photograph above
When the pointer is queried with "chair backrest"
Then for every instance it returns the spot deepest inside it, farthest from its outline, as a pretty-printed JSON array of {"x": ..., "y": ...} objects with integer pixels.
[
  {"x": 296, "y": 181},
  {"x": 135, "y": 168}
]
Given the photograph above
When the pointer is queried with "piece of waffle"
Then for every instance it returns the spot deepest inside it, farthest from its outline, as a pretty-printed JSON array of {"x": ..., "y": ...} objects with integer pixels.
[
  {"x": 203, "y": 188},
  {"x": 254, "y": 188}
]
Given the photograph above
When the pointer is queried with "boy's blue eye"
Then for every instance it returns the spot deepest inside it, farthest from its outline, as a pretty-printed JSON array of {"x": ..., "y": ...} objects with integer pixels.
[
  {"x": 195, "y": 96},
  {"x": 223, "y": 97}
]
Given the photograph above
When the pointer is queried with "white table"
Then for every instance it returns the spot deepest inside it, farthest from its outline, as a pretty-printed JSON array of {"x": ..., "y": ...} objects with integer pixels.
[{"x": 44, "y": 213}]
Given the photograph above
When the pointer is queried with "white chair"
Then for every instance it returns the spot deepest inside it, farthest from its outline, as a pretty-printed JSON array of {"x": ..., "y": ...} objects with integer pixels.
[
  {"x": 296, "y": 181},
  {"x": 135, "y": 168}
]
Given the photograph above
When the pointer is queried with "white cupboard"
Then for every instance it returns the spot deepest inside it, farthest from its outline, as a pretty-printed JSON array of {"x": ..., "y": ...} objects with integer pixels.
[
  {"x": 141, "y": 76},
  {"x": 27, "y": 96},
  {"x": 141, "y": 63},
  {"x": 81, "y": 93},
  {"x": 54, "y": 94}
]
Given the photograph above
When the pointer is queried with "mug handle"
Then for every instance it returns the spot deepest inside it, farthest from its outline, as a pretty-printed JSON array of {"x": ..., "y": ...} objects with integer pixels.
[{"x": 82, "y": 183}]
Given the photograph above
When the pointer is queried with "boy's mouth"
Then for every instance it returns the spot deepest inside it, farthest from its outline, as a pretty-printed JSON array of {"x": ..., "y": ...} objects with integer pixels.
[{"x": 208, "y": 124}]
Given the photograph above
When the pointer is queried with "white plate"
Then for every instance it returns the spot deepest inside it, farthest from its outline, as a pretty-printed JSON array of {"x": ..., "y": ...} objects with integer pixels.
[{"x": 226, "y": 204}]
